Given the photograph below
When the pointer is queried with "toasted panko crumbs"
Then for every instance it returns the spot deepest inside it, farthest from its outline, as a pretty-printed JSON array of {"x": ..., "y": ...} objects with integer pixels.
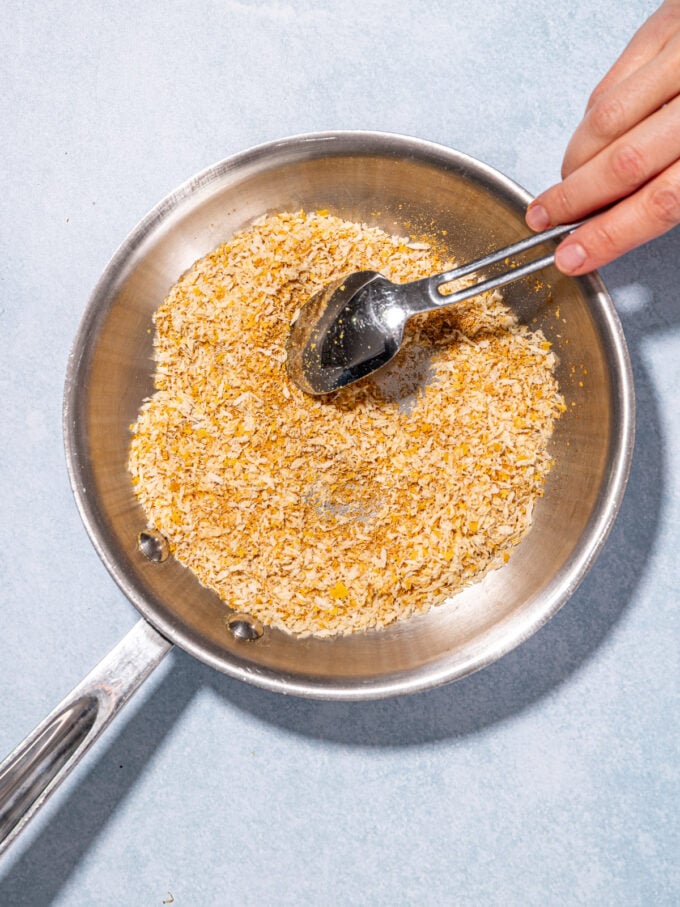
[{"x": 337, "y": 514}]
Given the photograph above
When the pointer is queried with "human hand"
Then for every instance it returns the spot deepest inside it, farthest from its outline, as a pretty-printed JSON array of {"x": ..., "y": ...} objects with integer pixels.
[{"x": 625, "y": 154}]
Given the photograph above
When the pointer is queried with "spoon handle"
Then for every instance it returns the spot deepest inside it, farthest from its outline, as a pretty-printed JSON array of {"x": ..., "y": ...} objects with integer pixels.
[{"x": 537, "y": 239}]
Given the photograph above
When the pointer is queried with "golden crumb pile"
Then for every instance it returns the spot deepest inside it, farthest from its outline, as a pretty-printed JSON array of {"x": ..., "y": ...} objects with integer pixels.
[{"x": 336, "y": 514}]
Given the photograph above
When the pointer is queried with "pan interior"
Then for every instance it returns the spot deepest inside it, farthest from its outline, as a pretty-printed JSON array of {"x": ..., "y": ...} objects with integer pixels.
[{"x": 403, "y": 186}]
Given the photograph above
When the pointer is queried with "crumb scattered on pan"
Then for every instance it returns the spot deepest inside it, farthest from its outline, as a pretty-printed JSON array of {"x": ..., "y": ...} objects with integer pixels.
[{"x": 337, "y": 514}]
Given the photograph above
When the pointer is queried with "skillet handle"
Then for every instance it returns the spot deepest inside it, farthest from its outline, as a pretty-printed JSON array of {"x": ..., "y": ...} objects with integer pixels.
[{"x": 38, "y": 765}]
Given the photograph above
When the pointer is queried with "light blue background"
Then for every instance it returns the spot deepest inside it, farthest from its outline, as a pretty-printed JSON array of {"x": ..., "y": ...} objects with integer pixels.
[{"x": 549, "y": 778}]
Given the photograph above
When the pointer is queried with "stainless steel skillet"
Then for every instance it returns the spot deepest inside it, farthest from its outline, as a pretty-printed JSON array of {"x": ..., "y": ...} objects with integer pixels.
[{"x": 403, "y": 185}]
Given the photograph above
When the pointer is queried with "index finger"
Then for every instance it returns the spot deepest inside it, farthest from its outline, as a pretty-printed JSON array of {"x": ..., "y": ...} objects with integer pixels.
[{"x": 651, "y": 211}]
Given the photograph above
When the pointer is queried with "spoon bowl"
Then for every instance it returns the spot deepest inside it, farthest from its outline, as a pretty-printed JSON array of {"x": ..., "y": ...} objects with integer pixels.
[
  {"x": 355, "y": 325},
  {"x": 346, "y": 331}
]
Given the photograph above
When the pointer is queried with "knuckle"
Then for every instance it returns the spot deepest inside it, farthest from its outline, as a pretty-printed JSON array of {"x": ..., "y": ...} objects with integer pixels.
[
  {"x": 596, "y": 95},
  {"x": 604, "y": 239},
  {"x": 607, "y": 116},
  {"x": 562, "y": 202},
  {"x": 628, "y": 165},
  {"x": 664, "y": 203}
]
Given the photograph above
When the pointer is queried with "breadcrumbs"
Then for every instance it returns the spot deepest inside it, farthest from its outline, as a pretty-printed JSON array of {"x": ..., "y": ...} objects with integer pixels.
[{"x": 342, "y": 513}]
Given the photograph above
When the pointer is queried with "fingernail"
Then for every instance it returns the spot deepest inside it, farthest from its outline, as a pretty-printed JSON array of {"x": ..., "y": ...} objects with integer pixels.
[
  {"x": 569, "y": 257},
  {"x": 537, "y": 218}
]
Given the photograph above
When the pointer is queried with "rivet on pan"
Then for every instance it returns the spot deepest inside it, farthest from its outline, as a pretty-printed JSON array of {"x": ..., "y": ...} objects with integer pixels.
[
  {"x": 243, "y": 626},
  {"x": 153, "y": 545}
]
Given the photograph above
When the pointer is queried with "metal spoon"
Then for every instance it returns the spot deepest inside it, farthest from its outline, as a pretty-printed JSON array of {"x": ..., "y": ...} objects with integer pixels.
[{"x": 355, "y": 325}]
